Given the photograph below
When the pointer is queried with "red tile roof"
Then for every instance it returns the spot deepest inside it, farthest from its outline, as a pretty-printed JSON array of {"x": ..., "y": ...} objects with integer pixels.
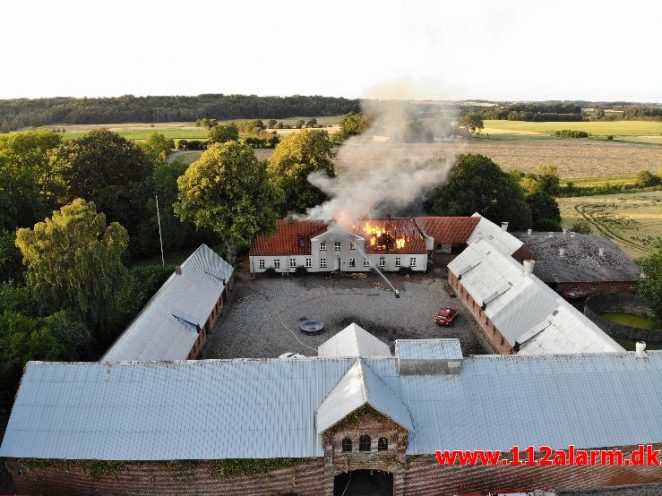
[
  {"x": 285, "y": 241},
  {"x": 448, "y": 230}
]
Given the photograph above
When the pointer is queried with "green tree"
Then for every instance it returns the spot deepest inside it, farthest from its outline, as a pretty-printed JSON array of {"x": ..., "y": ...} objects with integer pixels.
[
  {"x": 545, "y": 178},
  {"x": 26, "y": 182},
  {"x": 650, "y": 287},
  {"x": 158, "y": 147},
  {"x": 545, "y": 212},
  {"x": 300, "y": 123},
  {"x": 295, "y": 158},
  {"x": 353, "y": 124},
  {"x": 473, "y": 122},
  {"x": 311, "y": 122},
  {"x": 581, "y": 227},
  {"x": 11, "y": 268},
  {"x": 477, "y": 184},
  {"x": 224, "y": 133},
  {"x": 271, "y": 124},
  {"x": 228, "y": 191},
  {"x": 646, "y": 179},
  {"x": 74, "y": 260},
  {"x": 109, "y": 170}
]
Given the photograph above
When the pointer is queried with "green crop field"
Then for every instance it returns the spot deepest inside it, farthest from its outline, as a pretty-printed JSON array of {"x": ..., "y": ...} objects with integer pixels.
[
  {"x": 139, "y": 134},
  {"x": 632, "y": 221},
  {"x": 594, "y": 128}
]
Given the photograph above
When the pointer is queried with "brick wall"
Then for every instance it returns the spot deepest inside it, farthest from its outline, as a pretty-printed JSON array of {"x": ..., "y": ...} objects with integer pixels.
[
  {"x": 167, "y": 479},
  {"x": 495, "y": 338}
]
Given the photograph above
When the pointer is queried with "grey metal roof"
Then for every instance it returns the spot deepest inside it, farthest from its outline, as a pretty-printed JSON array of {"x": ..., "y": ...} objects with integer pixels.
[
  {"x": 524, "y": 309},
  {"x": 498, "y": 237},
  {"x": 353, "y": 341},
  {"x": 428, "y": 349},
  {"x": 360, "y": 386},
  {"x": 167, "y": 327},
  {"x": 267, "y": 408},
  {"x": 581, "y": 260}
]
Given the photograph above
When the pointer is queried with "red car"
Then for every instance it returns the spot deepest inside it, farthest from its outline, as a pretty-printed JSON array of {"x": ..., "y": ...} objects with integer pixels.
[{"x": 445, "y": 316}]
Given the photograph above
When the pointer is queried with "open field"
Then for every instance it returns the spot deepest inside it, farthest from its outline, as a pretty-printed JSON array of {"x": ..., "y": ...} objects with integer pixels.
[
  {"x": 595, "y": 128},
  {"x": 633, "y": 221}
]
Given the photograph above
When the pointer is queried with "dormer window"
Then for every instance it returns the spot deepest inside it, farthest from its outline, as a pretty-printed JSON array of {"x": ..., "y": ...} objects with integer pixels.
[
  {"x": 352, "y": 245},
  {"x": 302, "y": 242}
]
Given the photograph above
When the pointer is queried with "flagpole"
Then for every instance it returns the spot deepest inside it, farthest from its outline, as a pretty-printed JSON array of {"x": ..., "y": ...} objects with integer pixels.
[{"x": 158, "y": 216}]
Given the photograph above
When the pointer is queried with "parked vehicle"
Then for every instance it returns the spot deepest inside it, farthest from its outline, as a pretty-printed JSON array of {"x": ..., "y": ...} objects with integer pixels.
[{"x": 445, "y": 316}]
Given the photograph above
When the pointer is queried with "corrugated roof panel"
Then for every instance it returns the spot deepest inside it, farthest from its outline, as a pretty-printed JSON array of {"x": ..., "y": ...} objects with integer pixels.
[
  {"x": 489, "y": 231},
  {"x": 158, "y": 333},
  {"x": 428, "y": 349},
  {"x": 353, "y": 341}
]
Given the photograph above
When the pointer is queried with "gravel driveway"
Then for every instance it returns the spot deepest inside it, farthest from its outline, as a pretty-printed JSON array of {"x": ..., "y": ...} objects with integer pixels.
[{"x": 256, "y": 322}]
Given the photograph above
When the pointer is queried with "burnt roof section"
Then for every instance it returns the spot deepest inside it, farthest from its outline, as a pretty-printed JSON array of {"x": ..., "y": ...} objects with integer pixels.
[
  {"x": 395, "y": 226},
  {"x": 585, "y": 258},
  {"x": 290, "y": 238},
  {"x": 448, "y": 230}
]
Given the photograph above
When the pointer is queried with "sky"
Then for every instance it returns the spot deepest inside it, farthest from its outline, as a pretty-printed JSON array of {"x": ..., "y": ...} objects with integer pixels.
[{"x": 448, "y": 50}]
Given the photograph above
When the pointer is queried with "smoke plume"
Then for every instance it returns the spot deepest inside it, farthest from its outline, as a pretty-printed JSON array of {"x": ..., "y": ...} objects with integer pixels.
[{"x": 387, "y": 169}]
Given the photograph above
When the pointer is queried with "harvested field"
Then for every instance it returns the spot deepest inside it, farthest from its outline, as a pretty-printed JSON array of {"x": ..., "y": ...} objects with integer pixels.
[
  {"x": 632, "y": 221},
  {"x": 594, "y": 128}
]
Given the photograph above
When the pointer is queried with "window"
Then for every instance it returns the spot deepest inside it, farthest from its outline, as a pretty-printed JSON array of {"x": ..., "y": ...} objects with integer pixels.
[
  {"x": 366, "y": 263},
  {"x": 412, "y": 261},
  {"x": 293, "y": 263},
  {"x": 323, "y": 263},
  {"x": 336, "y": 246},
  {"x": 382, "y": 444},
  {"x": 364, "y": 443},
  {"x": 398, "y": 261},
  {"x": 262, "y": 263},
  {"x": 277, "y": 263},
  {"x": 323, "y": 246},
  {"x": 352, "y": 245},
  {"x": 382, "y": 261},
  {"x": 352, "y": 262},
  {"x": 347, "y": 445},
  {"x": 309, "y": 263}
]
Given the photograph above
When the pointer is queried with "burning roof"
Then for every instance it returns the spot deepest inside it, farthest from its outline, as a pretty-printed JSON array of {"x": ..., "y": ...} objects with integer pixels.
[{"x": 391, "y": 235}]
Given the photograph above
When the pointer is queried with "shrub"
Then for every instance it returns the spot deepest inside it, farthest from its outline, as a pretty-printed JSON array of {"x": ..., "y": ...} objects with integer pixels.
[
  {"x": 571, "y": 133},
  {"x": 300, "y": 271},
  {"x": 581, "y": 227},
  {"x": 404, "y": 271},
  {"x": 270, "y": 272},
  {"x": 610, "y": 138},
  {"x": 646, "y": 179},
  {"x": 551, "y": 225}
]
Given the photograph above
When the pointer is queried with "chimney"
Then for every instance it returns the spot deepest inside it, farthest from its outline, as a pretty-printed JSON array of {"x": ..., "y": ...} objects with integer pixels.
[
  {"x": 562, "y": 252},
  {"x": 640, "y": 347},
  {"x": 504, "y": 226},
  {"x": 601, "y": 252},
  {"x": 178, "y": 270},
  {"x": 528, "y": 266},
  {"x": 529, "y": 231}
]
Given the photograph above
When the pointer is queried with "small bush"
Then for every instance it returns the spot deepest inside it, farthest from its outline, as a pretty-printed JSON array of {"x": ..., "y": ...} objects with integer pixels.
[
  {"x": 404, "y": 271},
  {"x": 610, "y": 138},
  {"x": 270, "y": 272},
  {"x": 581, "y": 227},
  {"x": 571, "y": 133},
  {"x": 646, "y": 179},
  {"x": 300, "y": 271}
]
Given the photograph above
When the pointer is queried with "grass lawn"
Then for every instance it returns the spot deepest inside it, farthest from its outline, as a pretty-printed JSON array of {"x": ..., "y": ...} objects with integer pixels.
[{"x": 595, "y": 128}]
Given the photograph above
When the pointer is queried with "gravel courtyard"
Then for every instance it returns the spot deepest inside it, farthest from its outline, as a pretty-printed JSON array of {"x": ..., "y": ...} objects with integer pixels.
[{"x": 256, "y": 321}]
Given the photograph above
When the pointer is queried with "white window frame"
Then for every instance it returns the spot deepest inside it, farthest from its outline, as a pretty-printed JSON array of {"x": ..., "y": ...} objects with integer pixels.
[
  {"x": 337, "y": 245},
  {"x": 412, "y": 261},
  {"x": 277, "y": 263},
  {"x": 293, "y": 263},
  {"x": 366, "y": 262},
  {"x": 322, "y": 263},
  {"x": 309, "y": 263},
  {"x": 352, "y": 262},
  {"x": 323, "y": 246},
  {"x": 382, "y": 261},
  {"x": 398, "y": 261},
  {"x": 261, "y": 263}
]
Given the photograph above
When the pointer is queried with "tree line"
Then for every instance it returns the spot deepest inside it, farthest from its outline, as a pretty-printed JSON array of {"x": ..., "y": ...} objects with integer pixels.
[{"x": 22, "y": 112}]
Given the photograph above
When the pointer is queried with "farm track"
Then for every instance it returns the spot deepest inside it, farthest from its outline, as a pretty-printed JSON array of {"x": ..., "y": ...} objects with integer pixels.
[{"x": 583, "y": 211}]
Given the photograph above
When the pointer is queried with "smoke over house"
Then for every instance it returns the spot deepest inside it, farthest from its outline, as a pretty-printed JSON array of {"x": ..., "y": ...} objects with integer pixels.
[{"x": 382, "y": 171}]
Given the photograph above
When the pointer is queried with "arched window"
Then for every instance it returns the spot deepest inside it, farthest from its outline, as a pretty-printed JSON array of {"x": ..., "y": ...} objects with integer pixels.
[
  {"x": 364, "y": 443},
  {"x": 382, "y": 444},
  {"x": 347, "y": 445}
]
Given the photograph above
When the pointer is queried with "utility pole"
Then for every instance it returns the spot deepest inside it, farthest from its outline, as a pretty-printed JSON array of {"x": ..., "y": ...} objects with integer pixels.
[{"x": 158, "y": 216}]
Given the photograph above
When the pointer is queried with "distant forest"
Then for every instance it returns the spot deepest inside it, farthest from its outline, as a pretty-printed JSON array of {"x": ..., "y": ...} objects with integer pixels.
[{"x": 19, "y": 113}]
